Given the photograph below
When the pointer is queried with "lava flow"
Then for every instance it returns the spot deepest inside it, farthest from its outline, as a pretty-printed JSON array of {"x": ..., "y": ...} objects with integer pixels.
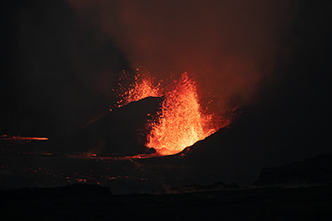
[
  {"x": 19, "y": 138},
  {"x": 180, "y": 122}
]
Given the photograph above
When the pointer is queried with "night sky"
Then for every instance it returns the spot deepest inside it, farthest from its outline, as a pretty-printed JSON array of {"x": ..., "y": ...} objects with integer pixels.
[{"x": 61, "y": 60}]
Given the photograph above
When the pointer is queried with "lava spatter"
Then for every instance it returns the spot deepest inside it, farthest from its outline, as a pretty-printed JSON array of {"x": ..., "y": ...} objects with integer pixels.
[{"x": 180, "y": 122}]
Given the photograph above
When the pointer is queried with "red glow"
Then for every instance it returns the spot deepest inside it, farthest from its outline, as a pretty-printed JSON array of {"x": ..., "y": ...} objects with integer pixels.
[{"x": 180, "y": 123}]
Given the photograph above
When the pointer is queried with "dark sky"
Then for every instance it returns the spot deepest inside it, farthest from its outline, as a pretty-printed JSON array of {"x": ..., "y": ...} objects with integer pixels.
[
  {"x": 60, "y": 62},
  {"x": 56, "y": 72}
]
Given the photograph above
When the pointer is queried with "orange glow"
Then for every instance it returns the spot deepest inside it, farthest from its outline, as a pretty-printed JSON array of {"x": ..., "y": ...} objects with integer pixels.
[
  {"x": 13, "y": 138},
  {"x": 180, "y": 122},
  {"x": 95, "y": 157},
  {"x": 142, "y": 87}
]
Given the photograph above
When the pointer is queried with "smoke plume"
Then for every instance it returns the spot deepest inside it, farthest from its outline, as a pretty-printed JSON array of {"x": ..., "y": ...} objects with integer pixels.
[{"x": 231, "y": 46}]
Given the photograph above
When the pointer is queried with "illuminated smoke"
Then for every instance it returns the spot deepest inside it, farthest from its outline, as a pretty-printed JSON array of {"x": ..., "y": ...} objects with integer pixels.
[{"x": 230, "y": 45}]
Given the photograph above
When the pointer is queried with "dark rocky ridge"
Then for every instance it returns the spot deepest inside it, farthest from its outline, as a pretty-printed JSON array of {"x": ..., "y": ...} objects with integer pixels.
[
  {"x": 122, "y": 132},
  {"x": 313, "y": 171},
  {"x": 201, "y": 188},
  {"x": 311, "y": 203},
  {"x": 227, "y": 202}
]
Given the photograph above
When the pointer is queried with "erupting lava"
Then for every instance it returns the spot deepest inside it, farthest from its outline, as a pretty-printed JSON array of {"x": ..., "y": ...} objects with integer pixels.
[
  {"x": 180, "y": 122},
  {"x": 143, "y": 87}
]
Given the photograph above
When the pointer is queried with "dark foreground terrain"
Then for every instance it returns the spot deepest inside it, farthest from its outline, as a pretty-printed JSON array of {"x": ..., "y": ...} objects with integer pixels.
[{"x": 93, "y": 202}]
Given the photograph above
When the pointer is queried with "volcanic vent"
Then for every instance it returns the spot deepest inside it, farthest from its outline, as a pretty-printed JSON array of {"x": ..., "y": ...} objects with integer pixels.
[{"x": 181, "y": 121}]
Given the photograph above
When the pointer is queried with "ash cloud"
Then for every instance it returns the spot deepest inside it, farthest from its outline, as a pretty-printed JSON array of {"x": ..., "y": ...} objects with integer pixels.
[{"x": 230, "y": 45}]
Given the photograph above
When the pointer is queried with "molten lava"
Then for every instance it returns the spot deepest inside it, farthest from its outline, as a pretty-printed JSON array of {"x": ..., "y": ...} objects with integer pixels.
[
  {"x": 180, "y": 122},
  {"x": 19, "y": 138}
]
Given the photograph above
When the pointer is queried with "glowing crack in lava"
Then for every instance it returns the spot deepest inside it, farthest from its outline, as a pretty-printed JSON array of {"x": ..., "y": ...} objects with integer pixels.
[{"x": 180, "y": 122}]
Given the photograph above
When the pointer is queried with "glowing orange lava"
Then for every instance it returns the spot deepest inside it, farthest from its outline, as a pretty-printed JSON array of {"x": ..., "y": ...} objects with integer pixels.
[
  {"x": 180, "y": 123},
  {"x": 13, "y": 138}
]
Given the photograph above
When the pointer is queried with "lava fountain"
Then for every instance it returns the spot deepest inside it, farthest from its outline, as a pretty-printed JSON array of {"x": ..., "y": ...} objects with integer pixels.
[{"x": 180, "y": 122}]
